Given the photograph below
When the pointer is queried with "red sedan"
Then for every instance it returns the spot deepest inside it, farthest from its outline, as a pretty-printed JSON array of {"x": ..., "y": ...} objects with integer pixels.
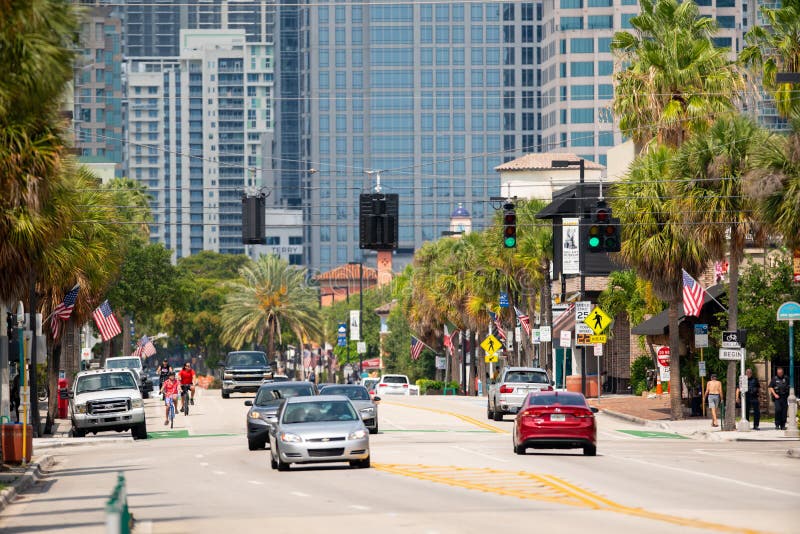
[{"x": 555, "y": 420}]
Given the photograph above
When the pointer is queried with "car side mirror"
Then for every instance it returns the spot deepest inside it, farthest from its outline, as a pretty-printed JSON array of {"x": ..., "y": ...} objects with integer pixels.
[
  {"x": 248, "y": 403},
  {"x": 594, "y": 410},
  {"x": 376, "y": 399},
  {"x": 70, "y": 394},
  {"x": 552, "y": 382}
]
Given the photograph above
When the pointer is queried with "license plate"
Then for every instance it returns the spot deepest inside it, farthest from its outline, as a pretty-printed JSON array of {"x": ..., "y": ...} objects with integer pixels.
[{"x": 558, "y": 417}]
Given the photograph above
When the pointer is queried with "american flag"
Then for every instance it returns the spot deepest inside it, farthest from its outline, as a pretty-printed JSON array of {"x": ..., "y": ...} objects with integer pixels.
[
  {"x": 692, "y": 295},
  {"x": 499, "y": 327},
  {"x": 63, "y": 311},
  {"x": 106, "y": 322},
  {"x": 448, "y": 339},
  {"x": 416, "y": 348},
  {"x": 524, "y": 320},
  {"x": 145, "y": 348}
]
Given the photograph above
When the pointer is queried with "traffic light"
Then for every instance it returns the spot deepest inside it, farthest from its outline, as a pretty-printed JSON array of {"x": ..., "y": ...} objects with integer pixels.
[
  {"x": 254, "y": 219},
  {"x": 603, "y": 234},
  {"x": 612, "y": 241},
  {"x": 378, "y": 221},
  {"x": 509, "y": 225}
]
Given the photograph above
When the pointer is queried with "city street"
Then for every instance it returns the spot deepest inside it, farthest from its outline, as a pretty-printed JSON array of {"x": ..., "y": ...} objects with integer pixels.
[{"x": 438, "y": 466}]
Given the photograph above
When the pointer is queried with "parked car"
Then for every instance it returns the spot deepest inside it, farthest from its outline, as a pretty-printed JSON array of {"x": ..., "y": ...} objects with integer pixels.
[
  {"x": 395, "y": 385},
  {"x": 263, "y": 410},
  {"x": 134, "y": 363},
  {"x": 363, "y": 403},
  {"x": 507, "y": 395},
  {"x": 324, "y": 428},
  {"x": 370, "y": 384},
  {"x": 107, "y": 399},
  {"x": 555, "y": 420},
  {"x": 244, "y": 371}
]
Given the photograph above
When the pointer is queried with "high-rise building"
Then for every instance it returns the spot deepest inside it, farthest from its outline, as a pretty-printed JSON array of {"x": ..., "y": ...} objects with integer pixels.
[{"x": 200, "y": 130}]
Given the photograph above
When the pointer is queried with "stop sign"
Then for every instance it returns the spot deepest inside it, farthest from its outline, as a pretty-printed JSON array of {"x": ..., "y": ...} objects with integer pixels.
[{"x": 663, "y": 356}]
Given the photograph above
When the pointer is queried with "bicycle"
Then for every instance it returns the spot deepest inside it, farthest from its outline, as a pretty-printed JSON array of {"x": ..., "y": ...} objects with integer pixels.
[
  {"x": 185, "y": 398},
  {"x": 171, "y": 404}
]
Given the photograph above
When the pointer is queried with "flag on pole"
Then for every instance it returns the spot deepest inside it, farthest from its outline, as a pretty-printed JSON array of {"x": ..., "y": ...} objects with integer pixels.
[
  {"x": 416, "y": 348},
  {"x": 63, "y": 311},
  {"x": 692, "y": 295},
  {"x": 448, "y": 339},
  {"x": 524, "y": 320},
  {"x": 144, "y": 348},
  {"x": 496, "y": 320},
  {"x": 106, "y": 322}
]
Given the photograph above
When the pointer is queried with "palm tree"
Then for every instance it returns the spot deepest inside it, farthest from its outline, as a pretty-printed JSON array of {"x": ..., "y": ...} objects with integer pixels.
[
  {"x": 271, "y": 297},
  {"x": 657, "y": 242},
  {"x": 773, "y": 47},
  {"x": 716, "y": 163},
  {"x": 671, "y": 79}
]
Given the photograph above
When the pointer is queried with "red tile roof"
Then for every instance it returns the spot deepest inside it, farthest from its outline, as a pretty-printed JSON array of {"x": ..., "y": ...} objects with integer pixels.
[
  {"x": 348, "y": 272},
  {"x": 543, "y": 161}
]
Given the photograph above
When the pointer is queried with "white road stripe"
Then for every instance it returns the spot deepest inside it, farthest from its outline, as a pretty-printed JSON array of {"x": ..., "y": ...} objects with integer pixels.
[
  {"x": 257, "y": 482},
  {"x": 218, "y": 472},
  {"x": 300, "y": 494},
  {"x": 707, "y": 475},
  {"x": 490, "y": 456},
  {"x": 198, "y": 455},
  {"x": 204, "y": 464},
  {"x": 359, "y": 507}
]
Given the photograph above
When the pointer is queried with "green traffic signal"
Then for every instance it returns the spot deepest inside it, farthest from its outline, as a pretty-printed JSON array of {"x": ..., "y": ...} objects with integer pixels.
[
  {"x": 594, "y": 241},
  {"x": 510, "y": 242}
]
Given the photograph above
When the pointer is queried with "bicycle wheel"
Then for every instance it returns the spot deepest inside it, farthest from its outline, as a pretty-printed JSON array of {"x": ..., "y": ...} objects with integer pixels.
[
  {"x": 171, "y": 414},
  {"x": 186, "y": 402}
]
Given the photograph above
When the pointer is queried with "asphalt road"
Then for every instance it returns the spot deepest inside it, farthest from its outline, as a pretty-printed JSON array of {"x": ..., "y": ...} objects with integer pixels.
[{"x": 438, "y": 466}]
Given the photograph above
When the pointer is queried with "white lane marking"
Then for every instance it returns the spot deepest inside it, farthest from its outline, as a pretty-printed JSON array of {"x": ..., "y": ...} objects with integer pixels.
[
  {"x": 258, "y": 482},
  {"x": 388, "y": 421},
  {"x": 204, "y": 464},
  {"x": 707, "y": 475},
  {"x": 616, "y": 436},
  {"x": 198, "y": 455},
  {"x": 218, "y": 472},
  {"x": 359, "y": 507},
  {"x": 300, "y": 494},
  {"x": 490, "y": 456}
]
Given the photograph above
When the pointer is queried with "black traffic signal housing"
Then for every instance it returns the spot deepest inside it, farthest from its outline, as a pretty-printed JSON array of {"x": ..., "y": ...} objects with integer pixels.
[
  {"x": 254, "y": 219},
  {"x": 378, "y": 218},
  {"x": 603, "y": 233},
  {"x": 509, "y": 225}
]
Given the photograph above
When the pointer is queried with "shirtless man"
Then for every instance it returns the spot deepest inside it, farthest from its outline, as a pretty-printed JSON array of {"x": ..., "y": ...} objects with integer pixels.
[{"x": 715, "y": 397}]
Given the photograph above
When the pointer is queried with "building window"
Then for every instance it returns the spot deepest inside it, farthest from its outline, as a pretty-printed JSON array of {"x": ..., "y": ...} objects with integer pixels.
[
  {"x": 582, "y": 115},
  {"x": 572, "y": 23},
  {"x": 582, "y": 68},
  {"x": 571, "y": 4},
  {"x": 582, "y": 45},
  {"x": 601, "y": 22}
]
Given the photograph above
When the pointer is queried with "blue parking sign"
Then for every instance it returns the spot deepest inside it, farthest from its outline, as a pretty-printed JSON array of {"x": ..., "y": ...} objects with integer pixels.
[
  {"x": 503, "y": 299},
  {"x": 341, "y": 338}
]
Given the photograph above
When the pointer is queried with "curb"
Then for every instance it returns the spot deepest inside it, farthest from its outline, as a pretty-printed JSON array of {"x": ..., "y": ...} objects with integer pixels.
[
  {"x": 635, "y": 419},
  {"x": 72, "y": 442},
  {"x": 793, "y": 453},
  {"x": 27, "y": 479}
]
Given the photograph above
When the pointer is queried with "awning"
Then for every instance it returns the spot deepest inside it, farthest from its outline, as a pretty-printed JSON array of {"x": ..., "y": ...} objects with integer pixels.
[
  {"x": 564, "y": 321},
  {"x": 658, "y": 325},
  {"x": 372, "y": 363}
]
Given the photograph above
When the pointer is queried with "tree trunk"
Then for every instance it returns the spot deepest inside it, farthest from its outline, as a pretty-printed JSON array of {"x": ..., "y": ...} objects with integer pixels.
[
  {"x": 733, "y": 319},
  {"x": 126, "y": 334},
  {"x": 70, "y": 351},
  {"x": 675, "y": 401}
]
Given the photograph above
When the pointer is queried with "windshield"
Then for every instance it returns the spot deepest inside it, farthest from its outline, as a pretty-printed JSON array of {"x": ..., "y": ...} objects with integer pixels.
[
  {"x": 395, "y": 380},
  {"x": 127, "y": 363},
  {"x": 564, "y": 399},
  {"x": 265, "y": 395},
  {"x": 527, "y": 377},
  {"x": 246, "y": 358},
  {"x": 319, "y": 412},
  {"x": 352, "y": 393},
  {"x": 105, "y": 381}
]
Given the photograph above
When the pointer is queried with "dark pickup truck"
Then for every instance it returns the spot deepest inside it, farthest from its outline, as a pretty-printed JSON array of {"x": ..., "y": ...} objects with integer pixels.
[{"x": 244, "y": 371}]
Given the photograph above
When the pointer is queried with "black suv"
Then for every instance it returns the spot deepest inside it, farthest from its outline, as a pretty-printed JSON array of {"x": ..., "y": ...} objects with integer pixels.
[{"x": 244, "y": 371}]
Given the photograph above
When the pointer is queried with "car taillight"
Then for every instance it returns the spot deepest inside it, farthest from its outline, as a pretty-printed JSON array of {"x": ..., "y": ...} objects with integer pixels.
[
  {"x": 381, "y": 385},
  {"x": 583, "y": 415},
  {"x": 548, "y": 388},
  {"x": 506, "y": 389},
  {"x": 405, "y": 385}
]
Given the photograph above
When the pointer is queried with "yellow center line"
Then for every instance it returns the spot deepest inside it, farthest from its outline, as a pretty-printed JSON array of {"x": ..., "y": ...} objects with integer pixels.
[
  {"x": 547, "y": 488},
  {"x": 465, "y": 418}
]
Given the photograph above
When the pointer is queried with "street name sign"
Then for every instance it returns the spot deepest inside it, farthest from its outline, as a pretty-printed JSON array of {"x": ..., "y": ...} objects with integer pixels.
[
  {"x": 730, "y": 340},
  {"x": 597, "y": 320},
  {"x": 730, "y": 354},
  {"x": 491, "y": 344},
  {"x": 789, "y": 311}
]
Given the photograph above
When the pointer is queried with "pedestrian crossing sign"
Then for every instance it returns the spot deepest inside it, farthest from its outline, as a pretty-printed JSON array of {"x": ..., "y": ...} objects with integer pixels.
[
  {"x": 597, "y": 320},
  {"x": 491, "y": 358},
  {"x": 491, "y": 344}
]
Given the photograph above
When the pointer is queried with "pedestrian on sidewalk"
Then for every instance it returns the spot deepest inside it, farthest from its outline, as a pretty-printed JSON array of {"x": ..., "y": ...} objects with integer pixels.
[
  {"x": 715, "y": 397},
  {"x": 751, "y": 399},
  {"x": 779, "y": 393}
]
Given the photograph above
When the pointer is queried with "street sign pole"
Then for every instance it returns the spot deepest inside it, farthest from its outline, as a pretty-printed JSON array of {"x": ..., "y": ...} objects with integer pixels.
[
  {"x": 744, "y": 424},
  {"x": 791, "y": 430},
  {"x": 702, "y": 385}
]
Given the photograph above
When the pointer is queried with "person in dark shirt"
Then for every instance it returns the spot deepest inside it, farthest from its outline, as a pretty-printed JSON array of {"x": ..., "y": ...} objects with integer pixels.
[{"x": 779, "y": 393}]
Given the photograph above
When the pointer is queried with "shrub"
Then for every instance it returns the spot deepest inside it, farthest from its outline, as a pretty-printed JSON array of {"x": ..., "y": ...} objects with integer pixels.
[{"x": 639, "y": 369}]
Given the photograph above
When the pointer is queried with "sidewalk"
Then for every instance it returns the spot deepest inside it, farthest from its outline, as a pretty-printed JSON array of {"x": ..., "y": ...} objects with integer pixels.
[{"x": 655, "y": 412}]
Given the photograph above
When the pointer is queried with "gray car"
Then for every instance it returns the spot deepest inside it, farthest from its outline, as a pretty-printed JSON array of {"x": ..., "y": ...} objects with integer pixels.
[
  {"x": 359, "y": 396},
  {"x": 324, "y": 428},
  {"x": 263, "y": 410}
]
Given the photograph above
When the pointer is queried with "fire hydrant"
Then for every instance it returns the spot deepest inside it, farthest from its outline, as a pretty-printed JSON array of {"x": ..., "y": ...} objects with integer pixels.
[{"x": 63, "y": 398}]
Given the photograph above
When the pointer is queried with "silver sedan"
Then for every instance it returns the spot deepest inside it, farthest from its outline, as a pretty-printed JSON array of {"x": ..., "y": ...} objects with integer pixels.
[
  {"x": 326, "y": 428},
  {"x": 367, "y": 407}
]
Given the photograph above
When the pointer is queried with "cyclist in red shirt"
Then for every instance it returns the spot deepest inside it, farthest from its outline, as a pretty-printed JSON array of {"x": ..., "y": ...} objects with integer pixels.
[
  {"x": 170, "y": 391},
  {"x": 188, "y": 379}
]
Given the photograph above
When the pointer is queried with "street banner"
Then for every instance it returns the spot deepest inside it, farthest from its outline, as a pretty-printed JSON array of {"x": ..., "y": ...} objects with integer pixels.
[
  {"x": 570, "y": 243},
  {"x": 355, "y": 325}
]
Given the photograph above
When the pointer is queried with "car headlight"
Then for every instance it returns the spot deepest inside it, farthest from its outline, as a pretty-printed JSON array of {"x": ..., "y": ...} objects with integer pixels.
[
  {"x": 286, "y": 437},
  {"x": 137, "y": 403},
  {"x": 227, "y": 376},
  {"x": 358, "y": 434},
  {"x": 368, "y": 412},
  {"x": 254, "y": 415},
  {"x": 80, "y": 408}
]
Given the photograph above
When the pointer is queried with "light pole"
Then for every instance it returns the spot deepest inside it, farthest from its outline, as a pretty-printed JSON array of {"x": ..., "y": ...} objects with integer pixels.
[
  {"x": 561, "y": 164},
  {"x": 360, "y": 309},
  {"x": 24, "y": 390}
]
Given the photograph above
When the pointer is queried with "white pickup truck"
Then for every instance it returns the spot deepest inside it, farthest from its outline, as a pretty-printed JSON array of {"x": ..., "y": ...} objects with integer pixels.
[
  {"x": 134, "y": 364},
  {"x": 508, "y": 393},
  {"x": 107, "y": 399}
]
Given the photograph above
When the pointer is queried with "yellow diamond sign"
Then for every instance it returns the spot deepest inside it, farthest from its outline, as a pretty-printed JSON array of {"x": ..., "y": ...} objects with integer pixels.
[
  {"x": 598, "y": 320},
  {"x": 490, "y": 358},
  {"x": 491, "y": 344},
  {"x": 598, "y": 339}
]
